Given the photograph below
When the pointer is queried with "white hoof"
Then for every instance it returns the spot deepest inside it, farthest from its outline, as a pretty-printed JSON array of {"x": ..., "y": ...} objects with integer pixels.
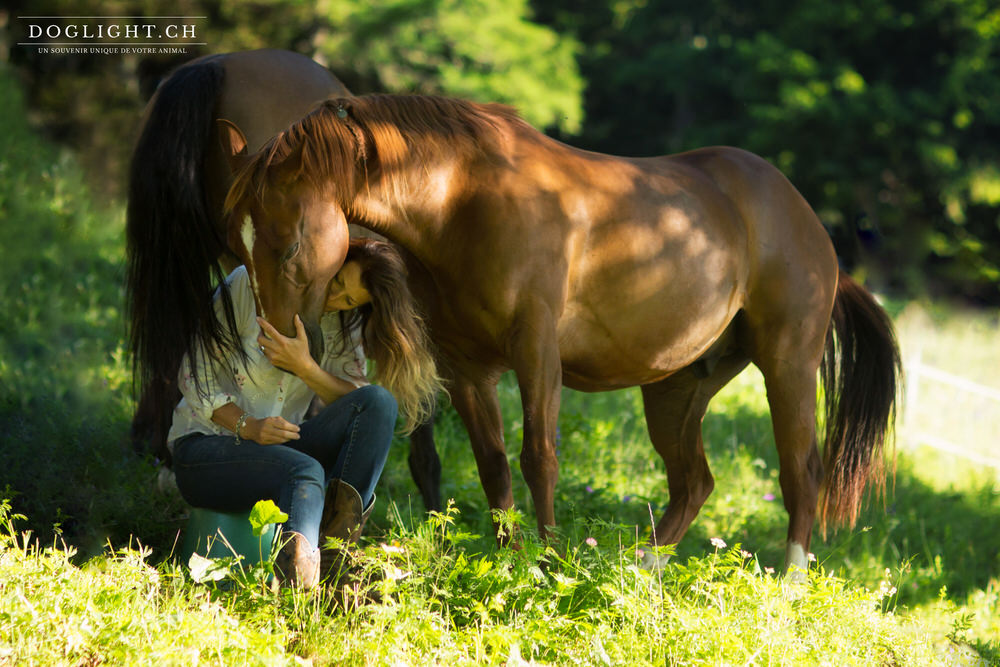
[{"x": 796, "y": 563}]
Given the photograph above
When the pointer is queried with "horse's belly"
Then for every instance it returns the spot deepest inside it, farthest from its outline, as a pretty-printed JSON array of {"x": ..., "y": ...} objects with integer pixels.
[{"x": 638, "y": 346}]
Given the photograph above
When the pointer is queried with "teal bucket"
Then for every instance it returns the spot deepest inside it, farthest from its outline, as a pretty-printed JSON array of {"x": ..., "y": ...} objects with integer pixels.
[{"x": 222, "y": 534}]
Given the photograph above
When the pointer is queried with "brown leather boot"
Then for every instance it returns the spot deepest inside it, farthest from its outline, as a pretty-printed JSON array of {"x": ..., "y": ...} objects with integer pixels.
[
  {"x": 344, "y": 519},
  {"x": 297, "y": 563}
]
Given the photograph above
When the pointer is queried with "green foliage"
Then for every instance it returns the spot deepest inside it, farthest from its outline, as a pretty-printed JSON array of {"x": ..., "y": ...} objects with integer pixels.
[
  {"x": 883, "y": 114},
  {"x": 423, "y": 596},
  {"x": 61, "y": 275},
  {"x": 117, "y": 609},
  {"x": 263, "y": 514},
  {"x": 65, "y": 392},
  {"x": 486, "y": 50}
]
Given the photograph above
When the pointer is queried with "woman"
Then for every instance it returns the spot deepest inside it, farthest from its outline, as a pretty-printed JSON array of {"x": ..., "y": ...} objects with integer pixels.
[{"x": 241, "y": 432}]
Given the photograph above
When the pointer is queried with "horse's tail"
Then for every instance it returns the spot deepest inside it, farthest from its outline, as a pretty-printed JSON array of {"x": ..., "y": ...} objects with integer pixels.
[
  {"x": 173, "y": 243},
  {"x": 860, "y": 373}
]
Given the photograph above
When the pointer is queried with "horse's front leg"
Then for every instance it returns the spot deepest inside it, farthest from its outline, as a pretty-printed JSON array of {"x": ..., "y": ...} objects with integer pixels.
[
  {"x": 475, "y": 399},
  {"x": 534, "y": 356}
]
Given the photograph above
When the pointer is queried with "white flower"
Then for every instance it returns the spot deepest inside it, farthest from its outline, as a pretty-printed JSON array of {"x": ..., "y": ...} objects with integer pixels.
[
  {"x": 718, "y": 543},
  {"x": 394, "y": 573},
  {"x": 392, "y": 548}
]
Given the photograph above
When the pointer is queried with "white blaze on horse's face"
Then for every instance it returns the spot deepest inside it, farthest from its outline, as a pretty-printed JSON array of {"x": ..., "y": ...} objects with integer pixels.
[{"x": 249, "y": 237}]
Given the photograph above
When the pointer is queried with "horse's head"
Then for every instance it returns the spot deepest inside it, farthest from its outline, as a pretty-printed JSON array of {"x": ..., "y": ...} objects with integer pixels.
[{"x": 290, "y": 235}]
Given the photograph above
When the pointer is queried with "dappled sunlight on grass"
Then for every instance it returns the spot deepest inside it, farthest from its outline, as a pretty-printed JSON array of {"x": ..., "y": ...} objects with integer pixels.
[
  {"x": 424, "y": 593},
  {"x": 931, "y": 533}
]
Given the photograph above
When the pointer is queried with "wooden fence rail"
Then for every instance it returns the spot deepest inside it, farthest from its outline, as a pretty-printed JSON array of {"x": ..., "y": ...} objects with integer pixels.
[{"x": 917, "y": 371}]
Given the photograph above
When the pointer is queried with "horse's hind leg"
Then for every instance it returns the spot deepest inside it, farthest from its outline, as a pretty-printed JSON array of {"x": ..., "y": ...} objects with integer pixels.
[
  {"x": 674, "y": 410},
  {"x": 425, "y": 465},
  {"x": 788, "y": 356}
]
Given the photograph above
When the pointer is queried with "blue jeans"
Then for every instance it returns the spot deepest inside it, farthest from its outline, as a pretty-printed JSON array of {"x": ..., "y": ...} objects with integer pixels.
[{"x": 348, "y": 440}]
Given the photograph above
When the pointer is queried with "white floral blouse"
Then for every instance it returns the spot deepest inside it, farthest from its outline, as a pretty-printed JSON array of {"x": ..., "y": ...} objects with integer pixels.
[{"x": 260, "y": 389}]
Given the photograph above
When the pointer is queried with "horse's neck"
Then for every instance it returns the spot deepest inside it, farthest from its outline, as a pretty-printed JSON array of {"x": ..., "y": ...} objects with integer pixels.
[{"x": 412, "y": 205}]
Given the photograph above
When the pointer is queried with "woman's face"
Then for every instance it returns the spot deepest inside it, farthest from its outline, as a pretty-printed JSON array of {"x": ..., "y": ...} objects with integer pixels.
[{"x": 346, "y": 291}]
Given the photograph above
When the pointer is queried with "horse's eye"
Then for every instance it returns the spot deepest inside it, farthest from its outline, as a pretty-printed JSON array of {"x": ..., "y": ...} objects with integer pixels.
[{"x": 292, "y": 250}]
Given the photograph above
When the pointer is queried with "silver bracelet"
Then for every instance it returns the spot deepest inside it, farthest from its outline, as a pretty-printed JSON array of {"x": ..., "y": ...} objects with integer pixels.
[{"x": 240, "y": 423}]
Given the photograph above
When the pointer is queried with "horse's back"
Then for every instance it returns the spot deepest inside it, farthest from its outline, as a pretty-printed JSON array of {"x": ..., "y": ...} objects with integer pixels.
[
  {"x": 777, "y": 217},
  {"x": 263, "y": 92},
  {"x": 700, "y": 236},
  {"x": 793, "y": 263},
  {"x": 268, "y": 89}
]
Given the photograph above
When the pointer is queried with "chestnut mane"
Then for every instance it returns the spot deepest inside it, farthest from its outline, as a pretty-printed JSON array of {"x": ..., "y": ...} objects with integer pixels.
[{"x": 343, "y": 140}]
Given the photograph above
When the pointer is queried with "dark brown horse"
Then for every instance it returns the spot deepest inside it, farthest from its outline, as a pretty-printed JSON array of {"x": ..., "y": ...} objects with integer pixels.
[
  {"x": 176, "y": 239},
  {"x": 593, "y": 271},
  {"x": 178, "y": 180}
]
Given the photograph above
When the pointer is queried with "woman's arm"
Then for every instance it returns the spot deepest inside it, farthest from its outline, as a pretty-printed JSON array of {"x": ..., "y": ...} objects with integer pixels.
[
  {"x": 200, "y": 375},
  {"x": 199, "y": 383},
  {"x": 268, "y": 431},
  {"x": 292, "y": 354}
]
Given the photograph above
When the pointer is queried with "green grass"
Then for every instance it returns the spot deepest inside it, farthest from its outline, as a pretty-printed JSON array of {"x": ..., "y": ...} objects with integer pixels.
[{"x": 917, "y": 583}]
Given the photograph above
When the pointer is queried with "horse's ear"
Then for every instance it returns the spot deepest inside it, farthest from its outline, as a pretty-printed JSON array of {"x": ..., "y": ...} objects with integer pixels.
[
  {"x": 234, "y": 143},
  {"x": 289, "y": 169}
]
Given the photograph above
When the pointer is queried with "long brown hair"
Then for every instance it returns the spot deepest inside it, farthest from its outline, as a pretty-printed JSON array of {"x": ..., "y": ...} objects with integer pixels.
[{"x": 393, "y": 331}]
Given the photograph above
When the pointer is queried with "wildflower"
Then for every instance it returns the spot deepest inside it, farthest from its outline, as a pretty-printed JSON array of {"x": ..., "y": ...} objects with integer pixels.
[
  {"x": 718, "y": 543},
  {"x": 626, "y": 499},
  {"x": 639, "y": 553},
  {"x": 769, "y": 570},
  {"x": 768, "y": 497},
  {"x": 591, "y": 542},
  {"x": 589, "y": 488},
  {"x": 746, "y": 554},
  {"x": 885, "y": 588},
  {"x": 394, "y": 573},
  {"x": 812, "y": 557}
]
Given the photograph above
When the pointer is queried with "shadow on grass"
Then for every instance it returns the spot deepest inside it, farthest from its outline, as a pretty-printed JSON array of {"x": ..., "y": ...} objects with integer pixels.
[
  {"x": 67, "y": 463},
  {"x": 68, "y": 469},
  {"x": 944, "y": 538}
]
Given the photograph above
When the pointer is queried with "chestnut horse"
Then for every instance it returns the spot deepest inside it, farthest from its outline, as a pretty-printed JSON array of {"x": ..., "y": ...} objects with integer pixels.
[{"x": 598, "y": 272}]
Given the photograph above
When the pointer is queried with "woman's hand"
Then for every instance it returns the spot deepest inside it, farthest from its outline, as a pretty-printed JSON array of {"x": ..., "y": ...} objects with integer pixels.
[
  {"x": 290, "y": 354},
  {"x": 270, "y": 430}
]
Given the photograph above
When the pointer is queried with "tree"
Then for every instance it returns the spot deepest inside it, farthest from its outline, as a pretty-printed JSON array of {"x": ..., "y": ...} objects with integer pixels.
[
  {"x": 885, "y": 114},
  {"x": 486, "y": 50}
]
